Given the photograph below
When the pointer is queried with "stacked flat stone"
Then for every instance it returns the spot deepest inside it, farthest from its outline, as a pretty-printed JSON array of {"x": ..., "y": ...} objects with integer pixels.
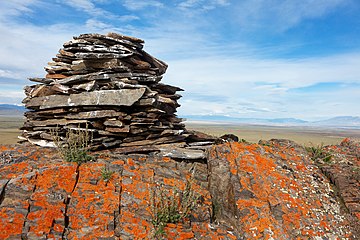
[{"x": 106, "y": 84}]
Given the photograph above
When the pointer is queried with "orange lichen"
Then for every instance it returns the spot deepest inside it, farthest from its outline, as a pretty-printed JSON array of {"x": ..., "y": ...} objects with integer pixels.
[
  {"x": 11, "y": 223},
  {"x": 258, "y": 173},
  {"x": 274, "y": 196}
]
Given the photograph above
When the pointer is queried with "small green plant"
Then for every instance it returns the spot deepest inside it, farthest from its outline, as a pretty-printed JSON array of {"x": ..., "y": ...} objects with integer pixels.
[
  {"x": 106, "y": 174},
  {"x": 171, "y": 207},
  {"x": 74, "y": 147},
  {"x": 264, "y": 143},
  {"x": 318, "y": 153},
  {"x": 243, "y": 141}
]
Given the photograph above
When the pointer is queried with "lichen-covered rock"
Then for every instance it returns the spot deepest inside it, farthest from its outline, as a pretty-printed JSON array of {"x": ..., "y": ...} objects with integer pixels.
[
  {"x": 343, "y": 170},
  {"x": 43, "y": 197},
  {"x": 246, "y": 191},
  {"x": 273, "y": 192}
]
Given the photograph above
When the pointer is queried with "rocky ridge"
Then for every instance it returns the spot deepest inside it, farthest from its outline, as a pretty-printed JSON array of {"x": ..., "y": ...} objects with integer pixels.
[
  {"x": 107, "y": 85},
  {"x": 270, "y": 190}
]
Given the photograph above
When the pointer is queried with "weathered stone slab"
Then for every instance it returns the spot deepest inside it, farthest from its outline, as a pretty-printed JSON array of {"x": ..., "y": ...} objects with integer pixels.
[
  {"x": 66, "y": 53},
  {"x": 41, "y": 80},
  {"x": 93, "y": 76},
  {"x": 54, "y": 67},
  {"x": 101, "y": 55},
  {"x": 39, "y": 142},
  {"x": 124, "y": 40},
  {"x": 123, "y": 97},
  {"x": 155, "y": 141},
  {"x": 60, "y": 122},
  {"x": 95, "y": 114},
  {"x": 124, "y": 129},
  {"x": 113, "y": 123},
  {"x": 76, "y": 42},
  {"x": 166, "y": 88},
  {"x": 56, "y": 76},
  {"x": 137, "y": 149},
  {"x": 88, "y": 86},
  {"x": 162, "y": 66},
  {"x": 182, "y": 153},
  {"x": 45, "y": 113},
  {"x": 99, "y": 64}
]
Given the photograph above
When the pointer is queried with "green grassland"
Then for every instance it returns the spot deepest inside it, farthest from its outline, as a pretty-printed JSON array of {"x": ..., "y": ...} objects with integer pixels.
[{"x": 9, "y": 130}]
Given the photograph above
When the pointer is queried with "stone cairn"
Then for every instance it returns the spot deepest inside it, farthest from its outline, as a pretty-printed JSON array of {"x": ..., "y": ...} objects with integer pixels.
[{"x": 109, "y": 85}]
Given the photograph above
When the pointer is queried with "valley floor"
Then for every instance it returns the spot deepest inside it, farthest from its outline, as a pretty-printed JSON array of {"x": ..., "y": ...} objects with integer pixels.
[
  {"x": 254, "y": 133},
  {"x": 251, "y": 133}
]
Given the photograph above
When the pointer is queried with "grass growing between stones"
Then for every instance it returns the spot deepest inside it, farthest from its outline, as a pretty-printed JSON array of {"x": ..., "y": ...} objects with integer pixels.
[
  {"x": 318, "y": 153},
  {"x": 106, "y": 174},
  {"x": 171, "y": 207},
  {"x": 74, "y": 147}
]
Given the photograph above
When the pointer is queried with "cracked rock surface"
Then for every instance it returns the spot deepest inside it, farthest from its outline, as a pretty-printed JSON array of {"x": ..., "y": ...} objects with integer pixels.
[{"x": 248, "y": 191}]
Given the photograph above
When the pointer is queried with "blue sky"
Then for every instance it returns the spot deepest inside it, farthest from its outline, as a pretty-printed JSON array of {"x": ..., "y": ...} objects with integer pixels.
[{"x": 239, "y": 58}]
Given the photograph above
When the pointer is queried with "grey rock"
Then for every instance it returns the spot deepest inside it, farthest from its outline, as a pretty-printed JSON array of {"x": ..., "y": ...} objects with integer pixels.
[
  {"x": 182, "y": 153},
  {"x": 110, "y": 84},
  {"x": 95, "y": 114},
  {"x": 101, "y": 55},
  {"x": 123, "y": 97}
]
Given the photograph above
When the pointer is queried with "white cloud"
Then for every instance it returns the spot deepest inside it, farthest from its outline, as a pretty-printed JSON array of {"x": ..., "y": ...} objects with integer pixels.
[
  {"x": 126, "y": 18},
  {"x": 189, "y": 3},
  {"x": 4, "y": 73},
  {"x": 87, "y": 6},
  {"x": 97, "y": 26},
  {"x": 138, "y": 5},
  {"x": 194, "y": 7},
  {"x": 25, "y": 51},
  {"x": 11, "y": 96},
  {"x": 268, "y": 83},
  {"x": 280, "y": 15},
  {"x": 15, "y": 7}
]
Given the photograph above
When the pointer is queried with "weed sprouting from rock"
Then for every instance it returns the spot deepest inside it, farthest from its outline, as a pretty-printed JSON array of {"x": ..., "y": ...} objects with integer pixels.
[
  {"x": 74, "y": 146},
  {"x": 172, "y": 206},
  {"x": 319, "y": 154},
  {"x": 106, "y": 174}
]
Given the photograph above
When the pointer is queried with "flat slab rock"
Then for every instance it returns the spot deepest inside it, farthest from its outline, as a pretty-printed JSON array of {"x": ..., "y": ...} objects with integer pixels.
[
  {"x": 182, "y": 153},
  {"x": 123, "y": 97}
]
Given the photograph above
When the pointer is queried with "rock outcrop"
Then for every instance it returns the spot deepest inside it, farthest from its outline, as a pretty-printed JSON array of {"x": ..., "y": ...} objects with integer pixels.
[
  {"x": 343, "y": 170},
  {"x": 109, "y": 85},
  {"x": 248, "y": 191}
]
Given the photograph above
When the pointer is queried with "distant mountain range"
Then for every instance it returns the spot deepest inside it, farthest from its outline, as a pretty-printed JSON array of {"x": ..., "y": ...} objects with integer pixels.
[
  {"x": 8, "y": 110},
  {"x": 341, "y": 121}
]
